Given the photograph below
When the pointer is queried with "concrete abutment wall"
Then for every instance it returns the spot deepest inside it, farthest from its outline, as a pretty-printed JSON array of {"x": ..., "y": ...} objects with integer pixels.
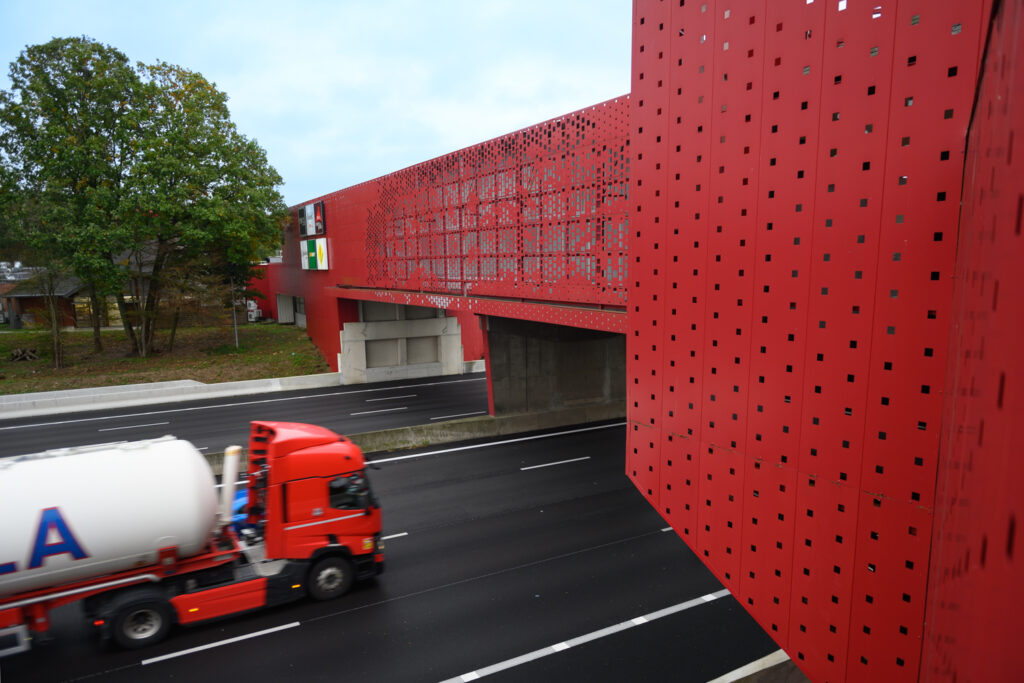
[{"x": 536, "y": 367}]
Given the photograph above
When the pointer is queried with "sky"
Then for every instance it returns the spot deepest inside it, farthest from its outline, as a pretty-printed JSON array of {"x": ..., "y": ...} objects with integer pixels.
[{"x": 346, "y": 91}]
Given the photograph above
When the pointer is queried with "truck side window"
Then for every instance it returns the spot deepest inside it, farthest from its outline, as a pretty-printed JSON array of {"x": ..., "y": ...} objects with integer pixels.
[{"x": 349, "y": 493}]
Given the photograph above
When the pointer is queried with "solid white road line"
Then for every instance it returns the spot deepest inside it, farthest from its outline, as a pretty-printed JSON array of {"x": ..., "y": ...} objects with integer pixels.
[
  {"x": 390, "y": 398},
  {"x": 388, "y": 538},
  {"x": 449, "y": 417},
  {"x": 239, "y": 403},
  {"x": 549, "y": 464},
  {"x": 496, "y": 443},
  {"x": 668, "y": 528},
  {"x": 777, "y": 657},
  {"x": 151, "y": 424},
  {"x": 601, "y": 633},
  {"x": 382, "y": 410},
  {"x": 182, "y": 653}
]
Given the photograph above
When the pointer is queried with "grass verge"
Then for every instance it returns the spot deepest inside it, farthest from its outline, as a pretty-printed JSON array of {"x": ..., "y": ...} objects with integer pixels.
[{"x": 205, "y": 354}]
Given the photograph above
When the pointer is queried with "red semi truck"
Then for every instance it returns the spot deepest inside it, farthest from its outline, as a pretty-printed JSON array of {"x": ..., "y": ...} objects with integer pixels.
[{"x": 135, "y": 531}]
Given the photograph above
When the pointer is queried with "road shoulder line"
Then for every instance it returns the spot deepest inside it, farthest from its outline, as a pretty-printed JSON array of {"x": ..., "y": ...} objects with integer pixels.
[{"x": 586, "y": 638}]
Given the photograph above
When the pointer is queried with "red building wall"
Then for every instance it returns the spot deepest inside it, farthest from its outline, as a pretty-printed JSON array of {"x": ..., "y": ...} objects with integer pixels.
[
  {"x": 975, "y": 590},
  {"x": 796, "y": 176}
]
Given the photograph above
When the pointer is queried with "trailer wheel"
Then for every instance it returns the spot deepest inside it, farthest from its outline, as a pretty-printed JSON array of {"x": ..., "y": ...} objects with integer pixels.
[
  {"x": 330, "y": 578},
  {"x": 141, "y": 622}
]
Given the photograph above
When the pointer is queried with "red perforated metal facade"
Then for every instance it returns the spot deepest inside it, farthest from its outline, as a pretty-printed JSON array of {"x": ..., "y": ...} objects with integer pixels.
[
  {"x": 539, "y": 214},
  {"x": 529, "y": 225},
  {"x": 976, "y": 592},
  {"x": 796, "y": 176}
]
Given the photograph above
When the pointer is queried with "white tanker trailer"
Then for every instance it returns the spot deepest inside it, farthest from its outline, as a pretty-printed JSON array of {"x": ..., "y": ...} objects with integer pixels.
[
  {"x": 133, "y": 531},
  {"x": 75, "y": 513}
]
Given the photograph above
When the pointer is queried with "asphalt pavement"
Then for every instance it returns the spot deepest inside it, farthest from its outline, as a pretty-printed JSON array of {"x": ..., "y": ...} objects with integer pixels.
[
  {"x": 530, "y": 559},
  {"x": 213, "y": 424}
]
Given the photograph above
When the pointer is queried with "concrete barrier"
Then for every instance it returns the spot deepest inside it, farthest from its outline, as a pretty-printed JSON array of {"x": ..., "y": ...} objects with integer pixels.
[
  {"x": 482, "y": 427},
  {"x": 101, "y": 398}
]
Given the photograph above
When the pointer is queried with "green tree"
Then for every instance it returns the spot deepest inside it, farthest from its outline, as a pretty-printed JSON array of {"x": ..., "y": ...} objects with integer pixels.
[
  {"x": 66, "y": 129},
  {"x": 198, "y": 187},
  {"x": 128, "y": 172},
  {"x": 24, "y": 234}
]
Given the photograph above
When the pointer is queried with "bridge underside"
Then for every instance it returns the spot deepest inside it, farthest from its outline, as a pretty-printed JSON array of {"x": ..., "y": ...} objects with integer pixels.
[{"x": 540, "y": 368}]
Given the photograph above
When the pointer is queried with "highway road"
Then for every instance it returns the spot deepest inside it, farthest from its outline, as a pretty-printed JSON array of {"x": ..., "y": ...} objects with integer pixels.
[
  {"x": 212, "y": 424},
  {"x": 522, "y": 558}
]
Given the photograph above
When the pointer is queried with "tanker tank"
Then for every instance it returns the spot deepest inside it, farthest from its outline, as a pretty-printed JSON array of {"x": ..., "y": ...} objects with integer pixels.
[{"x": 77, "y": 513}]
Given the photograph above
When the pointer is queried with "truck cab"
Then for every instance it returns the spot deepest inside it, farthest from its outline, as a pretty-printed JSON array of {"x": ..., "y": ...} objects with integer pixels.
[{"x": 309, "y": 497}]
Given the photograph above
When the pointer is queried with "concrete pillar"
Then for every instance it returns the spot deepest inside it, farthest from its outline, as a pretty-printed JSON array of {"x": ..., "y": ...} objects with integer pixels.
[{"x": 393, "y": 341}]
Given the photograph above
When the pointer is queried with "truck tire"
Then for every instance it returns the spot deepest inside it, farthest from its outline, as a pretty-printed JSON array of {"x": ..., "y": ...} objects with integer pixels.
[
  {"x": 330, "y": 577},
  {"x": 142, "y": 622}
]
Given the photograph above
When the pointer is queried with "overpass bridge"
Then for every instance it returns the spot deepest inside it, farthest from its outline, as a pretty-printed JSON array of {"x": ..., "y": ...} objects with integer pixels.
[{"x": 791, "y": 252}]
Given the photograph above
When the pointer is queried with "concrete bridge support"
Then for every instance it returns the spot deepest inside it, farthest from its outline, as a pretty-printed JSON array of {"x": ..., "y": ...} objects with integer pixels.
[{"x": 541, "y": 368}]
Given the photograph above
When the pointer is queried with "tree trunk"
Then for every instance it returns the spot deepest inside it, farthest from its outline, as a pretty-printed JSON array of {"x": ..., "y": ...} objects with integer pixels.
[
  {"x": 129, "y": 331},
  {"x": 174, "y": 329},
  {"x": 55, "y": 330},
  {"x": 94, "y": 300},
  {"x": 153, "y": 299},
  {"x": 143, "y": 338}
]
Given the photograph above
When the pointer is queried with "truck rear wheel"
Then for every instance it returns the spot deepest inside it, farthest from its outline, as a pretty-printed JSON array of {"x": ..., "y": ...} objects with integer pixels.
[
  {"x": 141, "y": 622},
  {"x": 330, "y": 578}
]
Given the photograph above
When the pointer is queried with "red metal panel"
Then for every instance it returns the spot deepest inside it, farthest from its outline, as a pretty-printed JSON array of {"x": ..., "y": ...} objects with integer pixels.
[
  {"x": 928, "y": 118},
  {"x": 537, "y": 214},
  {"x": 645, "y": 347},
  {"x": 975, "y": 589},
  {"x": 889, "y": 589},
  {"x": 769, "y": 508},
  {"x": 823, "y": 551},
  {"x": 799, "y": 193}
]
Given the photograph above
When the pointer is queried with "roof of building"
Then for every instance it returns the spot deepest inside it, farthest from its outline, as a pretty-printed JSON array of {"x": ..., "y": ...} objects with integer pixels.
[{"x": 64, "y": 287}]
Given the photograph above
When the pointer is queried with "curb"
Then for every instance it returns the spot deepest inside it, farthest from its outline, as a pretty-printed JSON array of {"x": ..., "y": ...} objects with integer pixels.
[
  {"x": 176, "y": 391},
  {"x": 101, "y": 398}
]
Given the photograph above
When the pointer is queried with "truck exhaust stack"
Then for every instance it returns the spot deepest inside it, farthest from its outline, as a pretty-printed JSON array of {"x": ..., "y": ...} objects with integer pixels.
[{"x": 232, "y": 457}]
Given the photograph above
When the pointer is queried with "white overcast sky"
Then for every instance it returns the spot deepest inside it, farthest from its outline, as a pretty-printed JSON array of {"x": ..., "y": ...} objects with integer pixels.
[{"x": 345, "y": 91}]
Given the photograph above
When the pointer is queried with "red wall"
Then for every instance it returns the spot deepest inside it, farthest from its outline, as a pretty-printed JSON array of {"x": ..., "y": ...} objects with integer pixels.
[
  {"x": 538, "y": 214},
  {"x": 793, "y": 241},
  {"x": 975, "y": 591},
  {"x": 267, "y": 286}
]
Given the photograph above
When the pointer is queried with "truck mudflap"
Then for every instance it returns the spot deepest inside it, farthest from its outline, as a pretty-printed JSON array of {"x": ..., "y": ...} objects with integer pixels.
[{"x": 369, "y": 565}]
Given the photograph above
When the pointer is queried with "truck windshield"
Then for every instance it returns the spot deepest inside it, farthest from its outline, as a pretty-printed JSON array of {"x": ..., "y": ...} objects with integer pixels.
[{"x": 351, "y": 492}]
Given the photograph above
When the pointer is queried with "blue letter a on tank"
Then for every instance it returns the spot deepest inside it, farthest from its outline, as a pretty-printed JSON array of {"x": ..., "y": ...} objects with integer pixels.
[{"x": 52, "y": 521}]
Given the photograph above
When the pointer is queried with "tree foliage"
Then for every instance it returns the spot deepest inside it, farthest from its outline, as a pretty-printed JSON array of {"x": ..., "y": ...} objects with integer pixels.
[
  {"x": 63, "y": 131},
  {"x": 126, "y": 173}
]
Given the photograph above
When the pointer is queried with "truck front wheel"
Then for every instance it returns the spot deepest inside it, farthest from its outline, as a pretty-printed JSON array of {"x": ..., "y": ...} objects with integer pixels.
[
  {"x": 330, "y": 578},
  {"x": 141, "y": 623}
]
